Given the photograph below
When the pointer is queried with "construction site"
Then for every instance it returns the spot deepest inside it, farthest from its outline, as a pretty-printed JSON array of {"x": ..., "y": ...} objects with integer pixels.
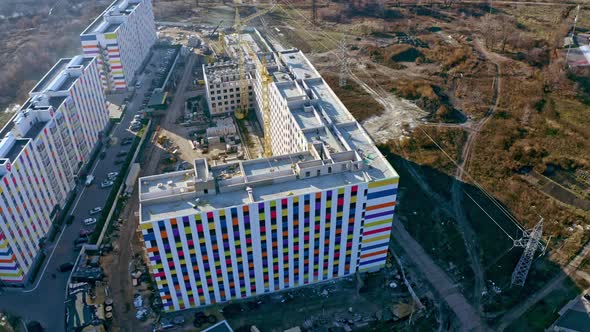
[{"x": 493, "y": 217}]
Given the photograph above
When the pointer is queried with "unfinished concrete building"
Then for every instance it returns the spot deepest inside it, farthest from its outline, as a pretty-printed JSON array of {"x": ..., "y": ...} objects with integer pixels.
[{"x": 320, "y": 208}]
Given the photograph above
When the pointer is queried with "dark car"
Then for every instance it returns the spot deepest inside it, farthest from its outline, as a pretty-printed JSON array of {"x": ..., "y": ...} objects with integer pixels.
[
  {"x": 81, "y": 240},
  {"x": 122, "y": 153},
  {"x": 102, "y": 155},
  {"x": 119, "y": 161},
  {"x": 66, "y": 267},
  {"x": 127, "y": 141}
]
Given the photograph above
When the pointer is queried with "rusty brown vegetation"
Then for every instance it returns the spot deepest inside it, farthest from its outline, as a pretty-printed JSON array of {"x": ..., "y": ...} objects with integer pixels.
[{"x": 33, "y": 42}]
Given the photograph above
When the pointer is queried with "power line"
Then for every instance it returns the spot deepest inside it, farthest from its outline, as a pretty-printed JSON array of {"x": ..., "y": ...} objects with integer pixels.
[
  {"x": 489, "y": 196},
  {"x": 494, "y": 220}
]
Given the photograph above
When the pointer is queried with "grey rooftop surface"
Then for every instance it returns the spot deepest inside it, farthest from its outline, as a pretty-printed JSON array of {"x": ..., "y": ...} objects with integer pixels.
[
  {"x": 16, "y": 149},
  {"x": 100, "y": 24},
  {"x": 163, "y": 210},
  {"x": 340, "y": 151},
  {"x": 51, "y": 74}
]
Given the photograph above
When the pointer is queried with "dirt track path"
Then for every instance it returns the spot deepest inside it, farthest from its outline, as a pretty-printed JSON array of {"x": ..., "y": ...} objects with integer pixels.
[{"x": 467, "y": 232}]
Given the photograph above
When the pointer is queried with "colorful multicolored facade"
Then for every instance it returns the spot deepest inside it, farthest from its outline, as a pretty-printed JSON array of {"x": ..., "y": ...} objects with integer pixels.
[
  {"x": 121, "y": 38},
  {"x": 321, "y": 208},
  {"x": 42, "y": 149}
]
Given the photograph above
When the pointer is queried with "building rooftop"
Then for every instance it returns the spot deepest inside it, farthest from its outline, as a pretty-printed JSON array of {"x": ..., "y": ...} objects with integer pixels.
[
  {"x": 63, "y": 74},
  {"x": 112, "y": 17},
  {"x": 158, "y": 210},
  {"x": 299, "y": 65},
  {"x": 49, "y": 93},
  {"x": 15, "y": 150},
  {"x": 55, "y": 70},
  {"x": 111, "y": 27},
  {"x": 339, "y": 152},
  {"x": 56, "y": 102},
  {"x": 35, "y": 129}
]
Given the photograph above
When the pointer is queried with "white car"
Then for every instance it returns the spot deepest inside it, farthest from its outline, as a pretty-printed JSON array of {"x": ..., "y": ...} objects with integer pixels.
[
  {"x": 106, "y": 184},
  {"x": 112, "y": 175},
  {"x": 89, "y": 221},
  {"x": 89, "y": 179},
  {"x": 95, "y": 210}
]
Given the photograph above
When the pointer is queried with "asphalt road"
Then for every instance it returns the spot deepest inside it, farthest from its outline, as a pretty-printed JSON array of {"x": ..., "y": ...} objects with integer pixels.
[{"x": 43, "y": 301}]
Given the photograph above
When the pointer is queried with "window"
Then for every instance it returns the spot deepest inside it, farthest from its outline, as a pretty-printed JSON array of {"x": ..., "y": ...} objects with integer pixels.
[
  {"x": 330, "y": 169},
  {"x": 307, "y": 174}
]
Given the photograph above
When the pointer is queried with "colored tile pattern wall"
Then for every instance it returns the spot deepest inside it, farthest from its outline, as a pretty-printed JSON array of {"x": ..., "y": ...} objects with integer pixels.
[
  {"x": 256, "y": 248},
  {"x": 378, "y": 217}
]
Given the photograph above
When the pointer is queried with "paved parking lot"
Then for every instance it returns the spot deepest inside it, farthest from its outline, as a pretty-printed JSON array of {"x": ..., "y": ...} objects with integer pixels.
[{"x": 43, "y": 301}]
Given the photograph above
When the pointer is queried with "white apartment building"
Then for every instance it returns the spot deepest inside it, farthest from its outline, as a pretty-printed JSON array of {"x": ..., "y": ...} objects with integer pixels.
[
  {"x": 320, "y": 208},
  {"x": 121, "y": 38},
  {"x": 42, "y": 149}
]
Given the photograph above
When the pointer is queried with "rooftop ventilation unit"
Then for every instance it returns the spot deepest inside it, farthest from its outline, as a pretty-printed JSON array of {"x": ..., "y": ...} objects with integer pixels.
[{"x": 160, "y": 185}]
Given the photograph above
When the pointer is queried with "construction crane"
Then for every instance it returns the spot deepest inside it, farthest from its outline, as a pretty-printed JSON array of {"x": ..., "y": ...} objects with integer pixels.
[
  {"x": 242, "y": 109},
  {"x": 215, "y": 30},
  {"x": 266, "y": 79}
]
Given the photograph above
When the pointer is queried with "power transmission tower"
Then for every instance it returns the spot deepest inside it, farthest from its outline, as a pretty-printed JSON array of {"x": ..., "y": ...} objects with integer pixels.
[
  {"x": 530, "y": 242},
  {"x": 344, "y": 63},
  {"x": 314, "y": 11},
  {"x": 567, "y": 55}
]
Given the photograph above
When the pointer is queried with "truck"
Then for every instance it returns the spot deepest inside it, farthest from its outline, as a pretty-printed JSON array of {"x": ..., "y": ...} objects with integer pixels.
[{"x": 89, "y": 180}]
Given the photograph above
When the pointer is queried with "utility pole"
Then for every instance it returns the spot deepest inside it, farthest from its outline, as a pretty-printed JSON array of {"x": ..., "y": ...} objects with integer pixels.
[
  {"x": 530, "y": 242},
  {"x": 314, "y": 11},
  {"x": 344, "y": 62}
]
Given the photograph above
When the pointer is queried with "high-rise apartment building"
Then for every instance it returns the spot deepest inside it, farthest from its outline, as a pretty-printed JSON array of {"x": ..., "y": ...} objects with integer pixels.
[
  {"x": 320, "y": 208},
  {"x": 121, "y": 38},
  {"x": 42, "y": 149}
]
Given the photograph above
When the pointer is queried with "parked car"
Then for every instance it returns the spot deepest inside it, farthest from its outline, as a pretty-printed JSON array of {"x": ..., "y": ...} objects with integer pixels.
[
  {"x": 90, "y": 221},
  {"x": 119, "y": 161},
  {"x": 102, "y": 154},
  {"x": 106, "y": 184},
  {"x": 122, "y": 153},
  {"x": 81, "y": 240},
  {"x": 66, "y": 267},
  {"x": 127, "y": 141},
  {"x": 70, "y": 219},
  {"x": 95, "y": 210},
  {"x": 112, "y": 175},
  {"x": 86, "y": 231}
]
